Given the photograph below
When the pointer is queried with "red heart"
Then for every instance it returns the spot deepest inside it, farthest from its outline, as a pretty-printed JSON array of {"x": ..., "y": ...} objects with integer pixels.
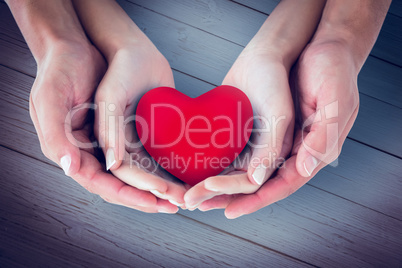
[{"x": 194, "y": 138}]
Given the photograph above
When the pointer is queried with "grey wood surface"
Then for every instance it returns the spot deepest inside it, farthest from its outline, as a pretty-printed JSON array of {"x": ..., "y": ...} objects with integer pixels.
[{"x": 350, "y": 214}]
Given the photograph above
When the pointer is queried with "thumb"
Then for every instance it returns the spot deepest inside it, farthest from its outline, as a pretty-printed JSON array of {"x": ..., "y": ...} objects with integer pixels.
[
  {"x": 53, "y": 125},
  {"x": 268, "y": 147},
  {"x": 320, "y": 138},
  {"x": 109, "y": 126}
]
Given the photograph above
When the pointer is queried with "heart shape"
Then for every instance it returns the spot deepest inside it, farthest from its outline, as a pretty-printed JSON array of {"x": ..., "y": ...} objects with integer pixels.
[{"x": 194, "y": 138}]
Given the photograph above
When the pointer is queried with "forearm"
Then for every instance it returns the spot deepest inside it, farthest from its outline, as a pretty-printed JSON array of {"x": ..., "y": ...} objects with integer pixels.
[
  {"x": 352, "y": 24},
  {"x": 44, "y": 23},
  {"x": 288, "y": 29},
  {"x": 108, "y": 26}
]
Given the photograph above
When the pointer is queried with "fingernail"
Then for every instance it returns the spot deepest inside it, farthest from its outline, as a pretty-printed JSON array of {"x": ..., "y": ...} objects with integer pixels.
[
  {"x": 110, "y": 159},
  {"x": 209, "y": 188},
  {"x": 163, "y": 210},
  {"x": 158, "y": 194},
  {"x": 176, "y": 203},
  {"x": 310, "y": 164},
  {"x": 191, "y": 208},
  {"x": 259, "y": 174},
  {"x": 65, "y": 163},
  {"x": 234, "y": 216}
]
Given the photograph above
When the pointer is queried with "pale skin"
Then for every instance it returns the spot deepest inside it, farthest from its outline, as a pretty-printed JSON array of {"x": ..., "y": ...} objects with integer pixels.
[
  {"x": 70, "y": 69},
  {"x": 326, "y": 72}
]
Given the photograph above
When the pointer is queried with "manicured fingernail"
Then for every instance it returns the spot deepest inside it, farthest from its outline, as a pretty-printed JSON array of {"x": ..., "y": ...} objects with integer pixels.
[
  {"x": 158, "y": 194},
  {"x": 176, "y": 203},
  {"x": 163, "y": 210},
  {"x": 193, "y": 207},
  {"x": 234, "y": 216},
  {"x": 110, "y": 159},
  {"x": 65, "y": 163},
  {"x": 259, "y": 174},
  {"x": 310, "y": 164},
  {"x": 209, "y": 188}
]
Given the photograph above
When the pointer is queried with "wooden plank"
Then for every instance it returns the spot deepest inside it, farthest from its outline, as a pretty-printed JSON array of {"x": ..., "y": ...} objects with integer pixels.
[
  {"x": 330, "y": 227},
  {"x": 263, "y": 6},
  {"x": 345, "y": 243},
  {"x": 396, "y": 8},
  {"x": 365, "y": 176},
  {"x": 331, "y": 231},
  {"x": 268, "y": 6},
  {"x": 378, "y": 194},
  {"x": 369, "y": 125},
  {"x": 221, "y": 18},
  {"x": 365, "y": 81},
  {"x": 378, "y": 78},
  {"x": 389, "y": 43},
  {"x": 57, "y": 219},
  {"x": 283, "y": 215},
  {"x": 11, "y": 39},
  {"x": 378, "y": 124},
  {"x": 382, "y": 81}
]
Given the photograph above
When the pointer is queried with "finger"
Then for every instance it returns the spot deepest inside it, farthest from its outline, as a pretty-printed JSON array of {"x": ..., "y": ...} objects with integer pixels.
[
  {"x": 286, "y": 182},
  {"x": 175, "y": 194},
  {"x": 217, "y": 202},
  {"x": 217, "y": 186},
  {"x": 92, "y": 177},
  {"x": 140, "y": 178},
  {"x": 150, "y": 178},
  {"x": 230, "y": 184},
  {"x": 164, "y": 206},
  {"x": 323, "y": 142},
  {"x": 196, "y": 195},
  {"x": 275, "y": 189},
  {"x": 274, "y": 118},
  {"x": 109, "y": 121},
  {"x": 175, "y": 189},
  {"x": 268, "y": 147},
  {"x": 53, "y": 124}
]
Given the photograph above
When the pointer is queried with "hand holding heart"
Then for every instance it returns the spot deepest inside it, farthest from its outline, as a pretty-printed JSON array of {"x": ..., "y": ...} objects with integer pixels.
[
  {"x": 323, "y": 82},
  {"x": 176, "y": 129},
  {"x": 265, "y": 81},
  {"x": 125, "y": 81},
  {"x": 261, "y": 72}
]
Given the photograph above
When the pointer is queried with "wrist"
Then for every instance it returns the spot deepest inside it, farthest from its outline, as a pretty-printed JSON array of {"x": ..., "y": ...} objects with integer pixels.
[
  {"x": 271, "y": 48},
  {"x": 46, "y": 24},
  {"x": 129, "y": 40},
  {"x": 283, "y": 38},
  {"x": 352, "y": 26}
]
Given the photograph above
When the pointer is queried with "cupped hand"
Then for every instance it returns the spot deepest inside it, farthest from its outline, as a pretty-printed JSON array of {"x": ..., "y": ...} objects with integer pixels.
[
  {"x": 133, "y": 71},
  {"x": 61, "y": 107},
  {"x": 264, "y": 79},
  {"x": 327, "y": 102}
]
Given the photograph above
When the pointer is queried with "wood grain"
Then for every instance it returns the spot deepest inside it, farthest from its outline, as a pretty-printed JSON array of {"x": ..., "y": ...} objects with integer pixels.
[
  {"x": 377, "y": 79},
  {"x": 57, "y": 222},
  {"x": 389, "y": 41},
  {"x": 349, "y": 215},
  {"x": 189, "y": 52},
  {"x": 357, "y": 169},
  {"x": 366, "y": 188}
]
